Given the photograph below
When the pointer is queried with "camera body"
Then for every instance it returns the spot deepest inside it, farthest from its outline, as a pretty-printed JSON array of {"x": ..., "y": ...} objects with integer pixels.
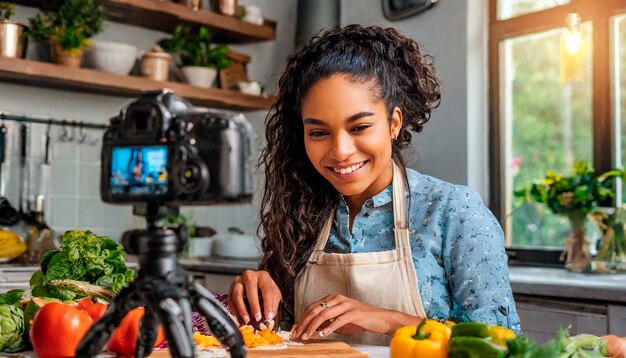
[{"x": 162, "y": 150}]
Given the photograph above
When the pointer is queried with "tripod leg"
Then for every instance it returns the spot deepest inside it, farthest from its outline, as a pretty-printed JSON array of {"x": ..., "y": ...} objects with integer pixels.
[
  {"x": 148, "y": 332},
  {"x": 179, "y": 339},
  {"x": 99, "y": 334},
  {"x": 221, "y": 325}
]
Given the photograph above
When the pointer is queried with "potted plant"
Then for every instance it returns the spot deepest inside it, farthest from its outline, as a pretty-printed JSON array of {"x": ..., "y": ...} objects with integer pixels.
[
  {"x": 574, "y": 196},
  {"x": 12, "y": 38},
  {"x": 198, "y": 243},
  {"x": 198, "y": 57},
  {"x": 68, "y": 30}
]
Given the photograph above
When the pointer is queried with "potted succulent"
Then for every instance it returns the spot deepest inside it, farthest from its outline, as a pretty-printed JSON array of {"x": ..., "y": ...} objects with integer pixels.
[
  {"x": 574, "y": 196},
  {"x": 199, "y": 58},
  {"x": 68, "y": 30},
  {"x": 12, "y": 37}
]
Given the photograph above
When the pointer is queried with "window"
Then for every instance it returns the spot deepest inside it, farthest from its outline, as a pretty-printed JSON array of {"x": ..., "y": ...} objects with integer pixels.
[
  {"x": 512, "y": 8},
  {"x": 546, "y": 115}
]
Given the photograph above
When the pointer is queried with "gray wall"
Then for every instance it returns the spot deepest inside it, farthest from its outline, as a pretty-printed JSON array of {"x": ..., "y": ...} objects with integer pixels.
[
  {"x": 73, "y": 193},
  {"x": 452, "y": 147}
]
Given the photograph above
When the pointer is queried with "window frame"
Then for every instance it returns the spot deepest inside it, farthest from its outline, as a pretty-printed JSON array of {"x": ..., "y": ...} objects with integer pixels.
[{"x": 599, "y": 14}]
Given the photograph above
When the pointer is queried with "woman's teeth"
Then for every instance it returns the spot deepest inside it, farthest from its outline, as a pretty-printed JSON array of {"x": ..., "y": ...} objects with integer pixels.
[{"x": 349, "y": 170}]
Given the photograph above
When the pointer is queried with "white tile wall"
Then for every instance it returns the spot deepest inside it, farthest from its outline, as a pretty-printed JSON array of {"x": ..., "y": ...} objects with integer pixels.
[{"x": 73, "y": 189}]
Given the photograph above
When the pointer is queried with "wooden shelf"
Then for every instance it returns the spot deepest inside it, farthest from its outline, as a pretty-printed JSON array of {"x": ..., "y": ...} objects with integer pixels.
[
  {"x": 165, "y": 16},
  {"x": 43, "y": 74}
]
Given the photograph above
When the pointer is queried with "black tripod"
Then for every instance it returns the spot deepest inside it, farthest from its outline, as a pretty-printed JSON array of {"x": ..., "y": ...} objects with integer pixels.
[{"x": 162, "y": 287}]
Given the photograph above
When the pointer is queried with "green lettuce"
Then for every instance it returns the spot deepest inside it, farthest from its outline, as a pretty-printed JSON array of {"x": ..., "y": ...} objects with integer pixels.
[{"x": 83, "y": 256}]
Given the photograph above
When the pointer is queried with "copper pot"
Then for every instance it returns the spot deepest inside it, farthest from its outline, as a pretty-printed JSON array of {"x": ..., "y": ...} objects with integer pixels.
[
  {"x": 226, "y": 7},
  {"x": 12, "y": 39}
]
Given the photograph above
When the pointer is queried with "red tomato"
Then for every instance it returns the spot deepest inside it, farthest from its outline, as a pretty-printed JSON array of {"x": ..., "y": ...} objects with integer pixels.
[
  {"x": 124, "y": 339},
  {"x": 94, "y": 308},
  {"x": 57, "y": 329}
]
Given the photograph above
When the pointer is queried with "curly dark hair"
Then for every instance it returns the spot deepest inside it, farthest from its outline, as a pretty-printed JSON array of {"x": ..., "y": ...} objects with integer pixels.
[{"x": 297, "y": 199}]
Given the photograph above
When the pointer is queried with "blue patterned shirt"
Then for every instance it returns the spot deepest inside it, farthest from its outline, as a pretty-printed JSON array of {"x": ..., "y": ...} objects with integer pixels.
[{"x": 457, "y": 245}]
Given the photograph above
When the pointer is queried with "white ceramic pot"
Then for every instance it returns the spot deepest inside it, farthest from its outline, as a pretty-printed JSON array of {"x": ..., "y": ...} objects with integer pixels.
[
  {"x": 114, "y": 57},
  {"x": 200, "y": 246},
  {"x": 200, "y": 76},
  {"x": 237, "y": 246}
]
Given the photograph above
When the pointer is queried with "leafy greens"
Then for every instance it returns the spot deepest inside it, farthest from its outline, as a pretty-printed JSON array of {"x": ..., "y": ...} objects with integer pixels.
[{"x": 83, "y": 256}]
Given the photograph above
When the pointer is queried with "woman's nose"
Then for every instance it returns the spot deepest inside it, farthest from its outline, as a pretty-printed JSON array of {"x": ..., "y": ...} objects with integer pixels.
[{"x": 343, "y": 147}]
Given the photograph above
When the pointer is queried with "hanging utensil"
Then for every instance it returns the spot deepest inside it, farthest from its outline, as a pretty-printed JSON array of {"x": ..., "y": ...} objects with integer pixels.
[
  {"x": 8, "y": 215},
  {"x": 23, "y": 145},
  {"x": 3, "y": 136},
  {"x": 45, "y": 167}
]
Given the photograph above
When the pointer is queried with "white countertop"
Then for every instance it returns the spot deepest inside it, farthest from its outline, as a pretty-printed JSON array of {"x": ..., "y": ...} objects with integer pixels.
[{"x": 556, "y": 282}]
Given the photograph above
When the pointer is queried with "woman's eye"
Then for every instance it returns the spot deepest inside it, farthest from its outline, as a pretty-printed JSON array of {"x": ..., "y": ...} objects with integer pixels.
[
  {"x": 360, "y": 128},
  {"x": 317, "y": 134}
]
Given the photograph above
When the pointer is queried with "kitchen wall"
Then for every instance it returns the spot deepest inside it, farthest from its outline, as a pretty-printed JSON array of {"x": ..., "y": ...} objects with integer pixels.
[
  {"x": 73, "y": 199},
  {"x": 453, "y": 145}
]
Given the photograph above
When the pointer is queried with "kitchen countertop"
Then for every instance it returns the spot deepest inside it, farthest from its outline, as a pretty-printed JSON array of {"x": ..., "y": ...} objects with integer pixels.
[
  {"x": 219, "y": 265},
  {"x": 541, "y": 281},
  {"x": 561, "y": 283}
]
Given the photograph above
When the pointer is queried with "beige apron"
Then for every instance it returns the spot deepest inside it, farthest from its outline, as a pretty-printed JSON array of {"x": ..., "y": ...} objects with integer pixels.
[{"x": 383, "y": 279}]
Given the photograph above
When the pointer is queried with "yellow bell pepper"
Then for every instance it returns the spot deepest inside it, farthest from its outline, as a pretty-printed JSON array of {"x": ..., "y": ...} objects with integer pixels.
[
  {"x": 499, "y": 335},
  {"x": 429, "y": 339}
]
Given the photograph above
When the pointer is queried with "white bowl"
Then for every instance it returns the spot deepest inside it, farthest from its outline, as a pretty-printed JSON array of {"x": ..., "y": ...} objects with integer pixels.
[{"x": 115, "y": 57}]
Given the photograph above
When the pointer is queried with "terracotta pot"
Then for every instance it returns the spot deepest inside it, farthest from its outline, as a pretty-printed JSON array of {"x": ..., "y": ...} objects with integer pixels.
[{"x": 61, "y": 56}]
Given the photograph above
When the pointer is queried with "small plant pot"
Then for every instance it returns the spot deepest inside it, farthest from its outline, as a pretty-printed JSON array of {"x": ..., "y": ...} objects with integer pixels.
[
  {"x": 61, "y": 56},
  {"x": 13, "y": 42},
  {"x": 203, "y": 77}
]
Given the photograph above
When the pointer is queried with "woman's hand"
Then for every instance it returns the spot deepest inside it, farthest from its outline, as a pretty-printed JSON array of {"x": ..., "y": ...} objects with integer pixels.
[
  {"x": 248, "y": 286},
  {"x": 336, "y": 313}
]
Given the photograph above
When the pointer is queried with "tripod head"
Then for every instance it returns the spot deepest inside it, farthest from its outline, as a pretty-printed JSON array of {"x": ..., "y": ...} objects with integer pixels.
[{"x": 162, "y": 287}]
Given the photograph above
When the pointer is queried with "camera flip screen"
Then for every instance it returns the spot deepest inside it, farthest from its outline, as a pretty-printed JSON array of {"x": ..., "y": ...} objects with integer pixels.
[{"x": 139, "y": 171}]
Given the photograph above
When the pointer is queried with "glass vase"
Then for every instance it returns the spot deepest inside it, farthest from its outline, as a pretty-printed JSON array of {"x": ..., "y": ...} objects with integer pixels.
[
  {"x": 577, "y": 246},
  {"x": 612, "y": 249}
]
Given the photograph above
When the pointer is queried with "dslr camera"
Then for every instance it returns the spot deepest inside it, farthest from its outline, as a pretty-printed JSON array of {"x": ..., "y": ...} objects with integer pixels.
[{"x": 161, "y": 150}]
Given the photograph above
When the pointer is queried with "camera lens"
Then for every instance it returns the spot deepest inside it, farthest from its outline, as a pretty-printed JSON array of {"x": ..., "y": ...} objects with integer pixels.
[{"x": 192, "y": 178}]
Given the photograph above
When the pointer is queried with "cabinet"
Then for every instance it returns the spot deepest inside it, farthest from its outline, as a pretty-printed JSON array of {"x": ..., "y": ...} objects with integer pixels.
[
  {"x": 541, "y": 317},
  {"x": 153, "y": 14},
  {"x": 215, "y": 282}
]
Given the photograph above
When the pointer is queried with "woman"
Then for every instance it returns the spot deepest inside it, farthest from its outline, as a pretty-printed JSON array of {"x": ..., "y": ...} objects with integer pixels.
[{"x": 355, "y": 243}]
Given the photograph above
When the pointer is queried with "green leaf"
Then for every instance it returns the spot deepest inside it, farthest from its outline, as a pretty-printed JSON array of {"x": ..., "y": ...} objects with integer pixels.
[
  {"x": 195, "y": 47},
  {"x": 85, "y": 257},
  {"x": 11, "y": 297}
]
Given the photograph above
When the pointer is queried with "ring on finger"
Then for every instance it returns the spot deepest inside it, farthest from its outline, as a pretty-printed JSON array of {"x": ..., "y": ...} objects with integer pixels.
[{"x": 324, "y": 304}]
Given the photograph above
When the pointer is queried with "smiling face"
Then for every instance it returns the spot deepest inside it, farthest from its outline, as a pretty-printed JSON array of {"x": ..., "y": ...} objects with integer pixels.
[{"x": 347, "y": 136}]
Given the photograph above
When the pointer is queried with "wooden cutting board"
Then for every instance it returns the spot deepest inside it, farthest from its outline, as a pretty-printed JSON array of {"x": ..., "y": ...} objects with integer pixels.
[{"x": 319, "y": 349}]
